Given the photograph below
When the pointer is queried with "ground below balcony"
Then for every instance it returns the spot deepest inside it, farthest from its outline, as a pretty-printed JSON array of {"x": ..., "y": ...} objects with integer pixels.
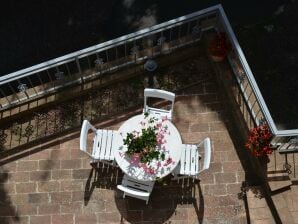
[{"x": 53, "y": 181}]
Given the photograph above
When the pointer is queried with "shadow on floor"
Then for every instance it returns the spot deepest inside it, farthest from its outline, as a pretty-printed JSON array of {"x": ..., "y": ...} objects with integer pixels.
[
  {"x": 8, "y": 213},
  {"x": 162, "y": 206}
]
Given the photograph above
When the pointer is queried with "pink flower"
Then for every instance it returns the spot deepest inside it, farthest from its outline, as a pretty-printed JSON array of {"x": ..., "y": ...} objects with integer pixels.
[
  {"x": 135, "y": 159},
  {"x": 168, "y": 161},
  {"x": 158, "y": 125},
  {"x": 151, "y": 170},
  {"x": 136, "y": 134}
]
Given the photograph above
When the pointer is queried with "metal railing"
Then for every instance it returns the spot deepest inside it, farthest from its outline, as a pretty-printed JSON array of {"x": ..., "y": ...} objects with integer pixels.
[
  {"x": 49, "y": 77},
  {"x": 85, "y": 65},
  {"x": 249, "y": 88}
]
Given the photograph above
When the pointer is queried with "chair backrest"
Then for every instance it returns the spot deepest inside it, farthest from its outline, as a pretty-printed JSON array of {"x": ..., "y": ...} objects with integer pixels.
[
  {"x": 103, "y": 144},
  {"x": 135, "y": 188},
  {"x": 161, "y": 94},
  {"x": 207, "y": 153},
  {"x": 189, "y": 160},
  {"x": 103, "y": 140},
  {"x": 86, "y": 126}
]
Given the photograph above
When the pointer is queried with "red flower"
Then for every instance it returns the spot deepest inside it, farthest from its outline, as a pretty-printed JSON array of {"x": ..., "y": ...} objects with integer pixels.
[
  {"x": 219, "y": 46},
  {"x": 258, "y": 140}
]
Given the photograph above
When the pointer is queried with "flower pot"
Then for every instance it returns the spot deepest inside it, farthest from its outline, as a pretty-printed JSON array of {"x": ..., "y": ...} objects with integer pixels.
[{"x": 217, "y": 58}]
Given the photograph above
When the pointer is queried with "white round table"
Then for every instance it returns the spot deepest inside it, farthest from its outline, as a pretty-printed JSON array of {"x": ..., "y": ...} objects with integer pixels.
[{"x": 172, "y": 146}]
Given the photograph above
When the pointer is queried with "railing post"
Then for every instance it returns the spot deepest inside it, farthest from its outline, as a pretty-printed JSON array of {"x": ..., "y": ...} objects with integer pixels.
[{"x": 79, "y": 69}]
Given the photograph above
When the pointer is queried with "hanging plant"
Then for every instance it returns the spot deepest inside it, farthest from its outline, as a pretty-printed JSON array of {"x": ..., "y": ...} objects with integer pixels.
[
  {"x": 219, "y": 47},
  {"x": 258, "y": 141}
]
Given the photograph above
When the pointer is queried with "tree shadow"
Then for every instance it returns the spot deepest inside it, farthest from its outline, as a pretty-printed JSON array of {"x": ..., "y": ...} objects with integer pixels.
[
  {"x": 255, "y": 170},
  {"x": 8, "y": 213},
  {"x": 163, "y": 202},
  {"x": 162, "y": 206}
]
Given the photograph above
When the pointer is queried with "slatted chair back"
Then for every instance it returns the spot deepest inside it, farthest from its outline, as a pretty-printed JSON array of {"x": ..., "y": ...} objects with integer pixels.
[
  {"x": 189, "y": 160},
  {"x": 102, "y": 148},
  {"x": 161, "y": 94},
  {"x": 192, "y": 162},
  {"x": 135, "y": 188}
]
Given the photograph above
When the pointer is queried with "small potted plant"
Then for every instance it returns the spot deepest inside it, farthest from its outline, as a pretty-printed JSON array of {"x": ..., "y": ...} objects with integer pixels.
[
  {"x": 219, "y": 47},
  {"x": 258, "y": 141},
  {"x": 144, "y": 145}
]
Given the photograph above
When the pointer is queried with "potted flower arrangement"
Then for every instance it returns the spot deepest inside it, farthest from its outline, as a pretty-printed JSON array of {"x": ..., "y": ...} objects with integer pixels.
[
  {"x": 145, "y": 144},
  {"x": 259, "y": 140},
  {"x": 219, "y": 47}
]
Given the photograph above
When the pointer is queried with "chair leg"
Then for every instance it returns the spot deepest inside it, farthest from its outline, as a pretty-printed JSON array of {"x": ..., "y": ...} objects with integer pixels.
[{"x": 114, "y": 163}]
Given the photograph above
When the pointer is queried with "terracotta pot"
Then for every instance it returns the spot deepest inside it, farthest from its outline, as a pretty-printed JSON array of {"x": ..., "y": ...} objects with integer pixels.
[{"x": 217, "y": 58}]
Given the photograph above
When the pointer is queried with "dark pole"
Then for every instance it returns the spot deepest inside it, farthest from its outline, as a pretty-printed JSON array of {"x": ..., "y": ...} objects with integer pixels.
[
  {"x": 150, "y": 66},
  {"x": 151, "y": 79}
]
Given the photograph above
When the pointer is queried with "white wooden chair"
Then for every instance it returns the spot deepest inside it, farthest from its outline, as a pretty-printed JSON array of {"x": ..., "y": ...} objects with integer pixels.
[
  {"x": 162, "y": 94},
  {"x": 102, "y": 149},
  {"x": 135, "y": 188},
  {"x": 191, "y": 163}
]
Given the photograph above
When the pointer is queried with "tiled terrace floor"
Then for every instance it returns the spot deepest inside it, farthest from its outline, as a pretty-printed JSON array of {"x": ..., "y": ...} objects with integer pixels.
[{"x": 55, "y": 183}]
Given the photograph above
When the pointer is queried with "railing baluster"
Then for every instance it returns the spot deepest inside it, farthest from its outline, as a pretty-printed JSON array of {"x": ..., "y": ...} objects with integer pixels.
[
  {"x": 107, "y": 55},
  {"x": 88, "y": 60},
  {"x": 188, "y": 28},
  {"x": 79, "y": 69},
  {"x": 116, "y": 53},
  {"x": 29, "y": 80},
  {"x": 14, "y": 92},
  {"x": 125, "y": 50},
  {"x": 68, "y": 70},
  {"x": 50, "y": 77},
  {"x": 294, "y": 165},
  {"x": 4, "y": 95}
]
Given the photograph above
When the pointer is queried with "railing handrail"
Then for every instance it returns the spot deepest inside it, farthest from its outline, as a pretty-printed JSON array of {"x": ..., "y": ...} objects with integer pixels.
[{"x": 96, "y": 48}]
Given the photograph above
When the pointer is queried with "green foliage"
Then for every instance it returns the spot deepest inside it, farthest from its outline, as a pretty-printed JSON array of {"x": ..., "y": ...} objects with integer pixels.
[
  {"x": 137, "y": 144},
  {"x": 144, "y": 143}
]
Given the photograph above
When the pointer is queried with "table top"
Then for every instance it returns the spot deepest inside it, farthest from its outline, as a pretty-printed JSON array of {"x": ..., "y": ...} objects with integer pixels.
[{"x": 171, "y": 148}]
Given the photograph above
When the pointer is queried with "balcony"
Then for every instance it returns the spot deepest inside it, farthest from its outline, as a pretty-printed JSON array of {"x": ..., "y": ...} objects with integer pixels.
[{"x": 45, "y": 178}]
